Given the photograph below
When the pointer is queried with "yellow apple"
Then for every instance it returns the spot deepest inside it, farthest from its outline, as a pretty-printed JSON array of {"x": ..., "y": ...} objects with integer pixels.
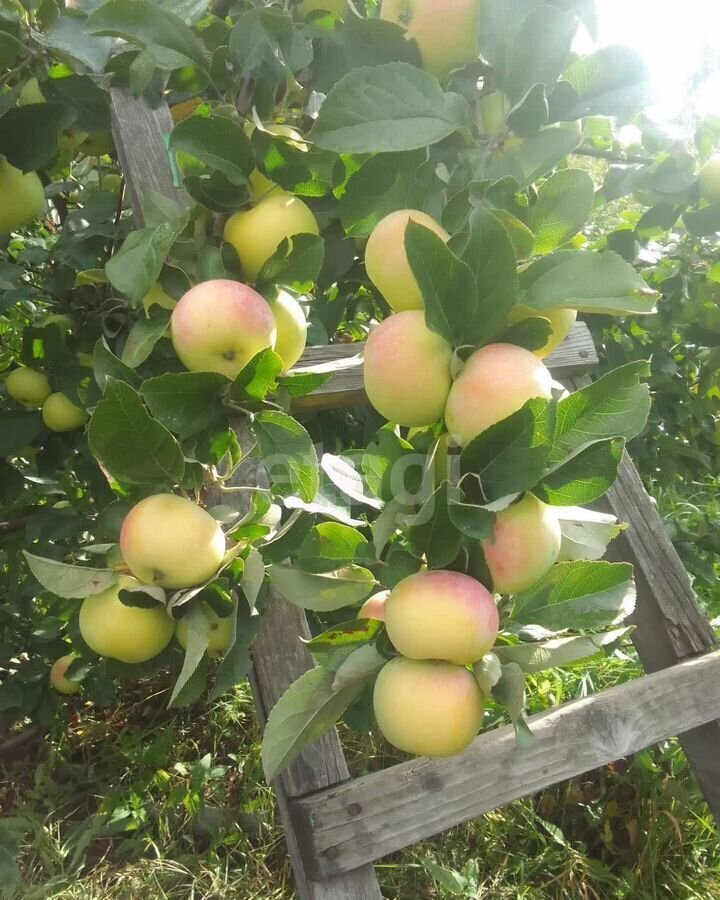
[
  {"x": 28, "y": 386},
  {"x": 562, "y": 322},
  {"x": 709, "y": 180},
  {"x": 131, "y": 634},
  {"x": 386, "y": 261},
  {"x": 219, "y": 631},
  {"x": 172, "y": 542},
  {"x": 442, "y": 615},
  {"x": 291, "y": 326},
  {"x": 58, "y": 680},
  {"x": 407, "y": 370},
  {"x": 525, "y": 544},
  {"x": 374, "y": 607},
  {"x": 428, "y": 707},
  {"x": 23, "y": 197},
  {"x": 495, "y": 382},
  {"x": 219, "y": 325},
  {"x": 445, "y": 30},
  {"x": 60, "y": 413},
  {"x": 256, "y": 233}
]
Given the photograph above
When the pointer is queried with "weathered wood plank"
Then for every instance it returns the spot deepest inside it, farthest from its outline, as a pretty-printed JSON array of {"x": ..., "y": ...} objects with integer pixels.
[
  {"x": 576, "y": 355},
  {"x": 365, "y": 819},
  {"x": 279, "y": 655}
]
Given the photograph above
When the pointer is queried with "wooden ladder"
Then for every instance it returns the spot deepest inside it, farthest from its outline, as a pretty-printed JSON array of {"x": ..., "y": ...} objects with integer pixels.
[{"x": 336, "y": 827}]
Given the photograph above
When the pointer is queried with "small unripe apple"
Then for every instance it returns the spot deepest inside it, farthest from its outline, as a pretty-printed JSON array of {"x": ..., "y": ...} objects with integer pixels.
[
  {"x": 446, "y": 32},
  {"x": 291, "y": 326},
  {"x": 256, "y": 233},
  {"x": 339, "y": 7},
  {"x": 30, "y": 93},
  {"x": 219, "y": 631},
  {"x": 99, "y": 144},
  {"x": 131, "y": 634},
  {"x": 407, "y": 370},
  {"x": 493, "y": 110},
  {"x": 60, "y": 413},
  {"x": 442, "y": 615},
  {"x": 524, "y": 546},
  {"x": 172, "y": 542},
  {"x": 374, "y": 607},
  {"x": 157, "y": 296},
  {"x": 709, "y": 180},
  {"x": 219, "y": 325},
  {"x": 562, "y": 322},
  {"x": 386, "y": 261},
  {"x": 58, "y": 680},
  {"x": 28, "y": 386},
  {"x": 428, "y": 707},
  {"x": 112, "y": 182},
  {"x": 495, "y": 382},
  {"x": 23, "y": 197},
  {"x": 69, "y": 139}
]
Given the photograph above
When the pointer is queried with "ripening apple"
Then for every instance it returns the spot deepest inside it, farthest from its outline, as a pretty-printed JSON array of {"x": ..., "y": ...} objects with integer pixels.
[
  {"x": 374, "y": 607},
  {"x": 562, "y": 322},
  {"x": 256, "y": 233},
  {"x": 157, "y": 296},
  {"x": 291, "y": 326},
  {"x": 428, "y": 707},
  {"x": 386, "y": 261},
  {"x": 23, "y": 197},
  {"x": 131, "y": 634},
  {"x": 58, "y": 680},
  {"x": 493, "y": 110},
  {"x": 407, "y": 370},
  {"x": 339, "y": 7},
  {"x": 709, "y": 180},
  {"x": 524, "y": 546},
  {"x": 28, "y": 386},
  {"x": 219, "y": 631},
  {"x": 442, "y": 615},
  {"x": 60, "y": 413},
  {"x": 495, "y": 382},
  {"x": 219, "y": 325},
  {"x": 445, "y": 30},
  {"x": 172, "y": 542}
]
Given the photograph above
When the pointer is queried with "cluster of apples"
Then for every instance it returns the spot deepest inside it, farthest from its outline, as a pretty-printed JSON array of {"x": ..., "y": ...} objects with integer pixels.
[
  {"x": 427, "y": 700},
  {"x": 167, "y": 543},
  {"x": 31, "y": 388}
]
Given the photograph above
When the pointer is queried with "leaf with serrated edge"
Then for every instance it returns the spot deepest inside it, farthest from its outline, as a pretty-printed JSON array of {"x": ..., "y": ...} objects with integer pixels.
[
  {"x": 197, "y": 641},
  {"x": 252, "y": 577},
  {"x": 323, "y": 593},
  {"x": 536, "y": 657},
  {"x": 71, "y": 582}
]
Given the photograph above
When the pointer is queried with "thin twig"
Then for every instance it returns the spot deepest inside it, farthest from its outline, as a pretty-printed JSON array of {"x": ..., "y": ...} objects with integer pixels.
[{"x": 612, "y": 157}]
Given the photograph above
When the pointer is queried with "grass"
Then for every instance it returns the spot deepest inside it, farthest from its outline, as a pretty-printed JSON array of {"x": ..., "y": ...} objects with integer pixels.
[{"x": 137, "y": 802}]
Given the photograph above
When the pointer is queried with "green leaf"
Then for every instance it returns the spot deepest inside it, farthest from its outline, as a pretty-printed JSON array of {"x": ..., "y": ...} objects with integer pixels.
[
  {"x": 130, "y": 443},
  {"x": 613, "y": 81},
  {"x": 475, "y": 522},
  {"x": 531, "y": 159},
  {"x": 218, "y": 142},
  {"x": 541, "y": 655},
  {"x": 589, "y": 282},
  {"x": 107, "y": 365},
  {"x": 703, "y": 222},
  {"x": 322, "y": 593},
  {"x": 187, "y": 402},
  {"x": 445, "y": 281},
  {"x": 147, "y": 597},
  {"x": 487, "y": 249},
  {"x": 530, "y": 113},
  {"x": 330, "y": 546},
  {"x": 347, "y": 479},
  {"x": 288, "y": 454},
  {"x": 388, "y": 108},
  {"x": 81, "y": 93},
  {"x": 586, "y": 533},
  {"x": 361, "y": 665},
  {"x": 258, "y": 378},
  {"x": 540, "y": 51},
  {"x": 564, "y": 204},
  {"x": 510, "y": 691},
  {"x": 143, "y": 336},
  {"x": 260, "y": 44},
  {"x": 432, "y": 532},
  {"x": 72, "y": 582},
  {"x": 29, "y": 134},
  {"x": 334, "y": 645},
  {"x": 616, "y": 405},
  {"x": 585, "y": 477},
  {"x": 197, "y": 642},
  {"x": 170, "y": 42},
  {"x": 135, "y": 268},
  {"x": 510, "y": 457},
  {"x": 68, "y": 38},
  {"x": 17, "y": 430},
  {"x": 374, "y": 42},
  {"x": 307, "y": 710},
  {"x": 578, "y": 596},
  {"x": 531, "y": 333},
  {"x": 236, "y": 661},
  {"x": 297, "y": 261}
]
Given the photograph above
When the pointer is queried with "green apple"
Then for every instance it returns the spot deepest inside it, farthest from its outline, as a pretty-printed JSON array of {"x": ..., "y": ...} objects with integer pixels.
[
  {"x": 291, "y": 326},
  {"x": 60, "y": 413},
  {"x": 28, "y": 386},
  {"x": 219, "y": 325},
  {"x": 219, "y": 631},
  {"x": 709, "y": 180},
  {"x": 23, "y": 197}
]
